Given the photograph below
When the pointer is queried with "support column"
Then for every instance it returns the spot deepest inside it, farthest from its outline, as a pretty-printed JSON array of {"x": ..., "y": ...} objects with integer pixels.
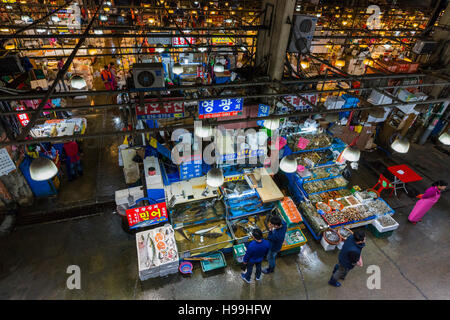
[{"x": 272, "y": 43}]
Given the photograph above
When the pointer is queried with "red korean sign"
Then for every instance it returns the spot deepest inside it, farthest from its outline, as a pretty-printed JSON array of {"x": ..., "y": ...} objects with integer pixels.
[
  {"x": 23, "y": 117},
  {"x": 145, "y": 216},
  {"x": 155, "y": 110},
  {"x": 181, "y": 41},
  {"x": 300, "y": 104}
]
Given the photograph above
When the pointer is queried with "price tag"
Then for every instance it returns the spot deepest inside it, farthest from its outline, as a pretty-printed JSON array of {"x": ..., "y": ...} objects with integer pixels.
[{"x": 302, "y": 143}]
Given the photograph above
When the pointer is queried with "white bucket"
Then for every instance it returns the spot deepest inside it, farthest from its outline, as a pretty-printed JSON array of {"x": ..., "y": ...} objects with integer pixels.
[{"x": 326, "y": 245}]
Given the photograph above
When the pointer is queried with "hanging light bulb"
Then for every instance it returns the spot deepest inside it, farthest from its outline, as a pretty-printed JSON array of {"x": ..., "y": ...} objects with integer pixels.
[
  {"x": 8, "y": 7},
  {"x": 177, "y": 68},
  {"x": 92, "y": 51},
  {"x": 10, "y": 46},
  {"x": 445, "y": 138},
  {"x": 108, "y": 3},
  {"x": 271, "y": 124},
  {"x": 106, "y": 9},
  {"x": 289, "y": 164},
  {"x": 203, "y": 131},
  {"x": 218, "y": 67},
  {"x": 387, "y": 45},
  {"x": 98, "y": 31},
  {"x": 329, "y": 45},
  {"x": 400, "y": 145},
  {"x": 202, "y": 49},
  {"x": 42, "y": 169},
  {"x": 351, "y": 154},
  {"x": 160, "y": 49},
  {"x": 103, "y": 17},
  {"x": 363, "y": 45},
  {"x": 318, "y": 15},
  {"x": 344, "y": 23},
  {"x": 78, "y": 82},
  {"x": 151, "y": 20},
  {"x": 214, "y": 178},
  {"x": 340, "y": 63},
  {"x": 304, "y": 64}
]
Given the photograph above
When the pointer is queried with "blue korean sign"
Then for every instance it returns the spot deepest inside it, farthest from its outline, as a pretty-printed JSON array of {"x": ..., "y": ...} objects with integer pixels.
[
  {"x": 263, "y": 111},
  {"x": 246, "y": 153},
  {"x": 220, "y": 108}
]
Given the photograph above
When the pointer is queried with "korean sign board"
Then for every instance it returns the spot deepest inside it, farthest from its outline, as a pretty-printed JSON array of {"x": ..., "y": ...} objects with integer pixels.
[
  {"x": 182, "y": 41},
  {"x": 156, "y": 110},
  {"x": 299, "y": 104},
  {"x": 158, "y": 40},
  {"x": 220, "y": 108},
  {"x": 146, "y": 216},
  {"x": 222, "y": 41},
  {"x": 246, "y": 153},
  {"x": 23, "y": 117}
]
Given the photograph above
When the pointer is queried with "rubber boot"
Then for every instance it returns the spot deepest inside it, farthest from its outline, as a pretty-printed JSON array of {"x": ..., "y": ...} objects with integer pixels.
[{"x": 334, "y": 283}]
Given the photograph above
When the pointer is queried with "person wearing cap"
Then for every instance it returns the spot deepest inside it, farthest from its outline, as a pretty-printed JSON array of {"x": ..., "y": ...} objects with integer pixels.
[{"x": 256, "y": 251}]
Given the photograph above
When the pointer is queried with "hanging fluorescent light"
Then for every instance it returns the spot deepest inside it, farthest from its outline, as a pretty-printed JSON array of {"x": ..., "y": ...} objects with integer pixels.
[
  {"x": 42, "y": 169},
  {"x": 445, "y": 138},
  {"x": 98, "y": 31},
  {"x": 40, "y": 30},
  {"x": 289, "y": 164},
  {"x": 4, "y": 30},
  {"x": 203, "y": 131},
  {"x": 108, "y": 3},
  {"x": 351, "y": 154},
  {"x": 214, "y": 177},
  {"x": 177, "y": 68},
  {"x": 400, "y": 145},
  {"x": 78, "y": 82},
  {"x": 218, "y": 67},
  {"x": 272, "y": 124}
]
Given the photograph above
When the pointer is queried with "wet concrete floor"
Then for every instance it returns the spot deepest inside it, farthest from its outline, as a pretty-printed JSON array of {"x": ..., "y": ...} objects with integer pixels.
[{"x": 414, "y": 261}]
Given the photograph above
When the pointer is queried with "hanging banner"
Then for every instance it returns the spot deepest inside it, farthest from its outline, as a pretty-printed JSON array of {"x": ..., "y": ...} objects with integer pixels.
[
  {"x": 156, "y": 110},
  {"x": 158, "y": 40},
  {"x": 220, "y": 108},
  {"x": 146, "y": 216}
]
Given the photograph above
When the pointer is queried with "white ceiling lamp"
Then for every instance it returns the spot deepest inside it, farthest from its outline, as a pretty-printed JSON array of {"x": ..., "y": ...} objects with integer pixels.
[
  {"x": 40, "y": 30},
  {"x": 98, "y": 32},
  {"x": 177, "y": 68},
  {"x": 56, "y": 19},
  {"x": 203, "y": 131},
  {"x": 445, "y": 138},
  {"x": 202, "y": 49},
  {"x": 108, "y": 3},
  {"x": 103, "y": 17},
  {"x": 218, "y": 67},
  {"x": 214, "y": 177},
  {"x": 25, "y": 18},
  {"x": 351, "y": 154},
  {"x": 289, "y": 164},
  {"x": 78, "y": 82},
  {"x": 272, "y": 124},
  {"x": 42, "y": 169},
  {"x": 400, "y": 145},
  {"x": 160, "y": 48}
]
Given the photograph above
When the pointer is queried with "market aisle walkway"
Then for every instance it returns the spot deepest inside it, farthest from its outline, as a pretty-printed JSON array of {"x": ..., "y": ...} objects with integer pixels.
[{"x": 413, "y": 263}]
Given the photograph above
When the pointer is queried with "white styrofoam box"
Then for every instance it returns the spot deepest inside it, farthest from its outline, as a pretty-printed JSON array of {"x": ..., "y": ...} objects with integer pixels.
[
  {"x": 380, "y": 228},
  {"x": 340, "y": 245},
  {"x": 378, "y": 98},
  {"x": 326, "y": 245},
  {"x": 334, "y": 102},
  {"x": 121, "y": 196}
]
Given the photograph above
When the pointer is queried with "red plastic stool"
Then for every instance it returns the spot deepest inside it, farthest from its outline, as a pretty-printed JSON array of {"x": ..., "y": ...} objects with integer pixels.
[{"x": 383, "y": 183}]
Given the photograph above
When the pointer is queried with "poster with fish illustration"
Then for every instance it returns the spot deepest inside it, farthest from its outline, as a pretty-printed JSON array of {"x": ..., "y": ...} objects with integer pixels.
[{"x": 146, "y": 216}]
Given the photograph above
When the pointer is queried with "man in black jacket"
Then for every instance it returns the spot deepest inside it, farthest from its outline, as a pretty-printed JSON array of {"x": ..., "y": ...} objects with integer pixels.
[{"x": 348, "y": 257}]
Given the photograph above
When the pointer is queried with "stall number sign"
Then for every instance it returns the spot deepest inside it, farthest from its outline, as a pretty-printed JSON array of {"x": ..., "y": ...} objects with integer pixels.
[
  {"x": 156, "y": 110},
  {"x": 181, "y": 41},
  {"x": 220, "y": 108},
  {"x": 299, "y": 104},
  {"x": 146, "y": 216},
  {"x": 263, "y": 111},
  {"x": 23, "y": 117}
]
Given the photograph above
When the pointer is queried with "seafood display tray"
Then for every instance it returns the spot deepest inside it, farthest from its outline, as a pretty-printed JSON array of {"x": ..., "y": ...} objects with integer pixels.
[
  {"x": 320, "y": 179},
  {"x": 335, "y": 189},
  {"x": 288, "y": 246}
]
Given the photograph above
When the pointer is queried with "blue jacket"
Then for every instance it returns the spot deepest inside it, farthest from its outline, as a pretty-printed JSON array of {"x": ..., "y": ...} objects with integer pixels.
[
  {"x": 276, "y": 237},
  {"x": 256, "y": 251},
  {"x": 350, "y": 253}
]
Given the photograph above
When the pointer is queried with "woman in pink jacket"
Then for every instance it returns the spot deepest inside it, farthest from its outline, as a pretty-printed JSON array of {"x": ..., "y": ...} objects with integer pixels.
[{"x": 428, "y": 199}]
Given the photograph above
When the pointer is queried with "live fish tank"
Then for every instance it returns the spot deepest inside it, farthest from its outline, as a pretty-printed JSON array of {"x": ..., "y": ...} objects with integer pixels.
[
  {"x": 241, "y": 228},
  {"x": 196, "y": 212},
  {"x": 203, "y": 238}
]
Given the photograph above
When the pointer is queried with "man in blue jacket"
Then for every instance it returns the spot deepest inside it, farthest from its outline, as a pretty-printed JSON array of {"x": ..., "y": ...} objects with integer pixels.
[
  {"x": 256, "y": 251},
  {"x": 348, "y": 257},
  {"x": 277, "y": 232}
]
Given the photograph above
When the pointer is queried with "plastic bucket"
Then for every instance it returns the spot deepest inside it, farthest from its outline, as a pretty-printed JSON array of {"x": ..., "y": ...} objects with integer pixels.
[
  {"x": 330, "y": 241},
  {"x": 185, "y": 268}
]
